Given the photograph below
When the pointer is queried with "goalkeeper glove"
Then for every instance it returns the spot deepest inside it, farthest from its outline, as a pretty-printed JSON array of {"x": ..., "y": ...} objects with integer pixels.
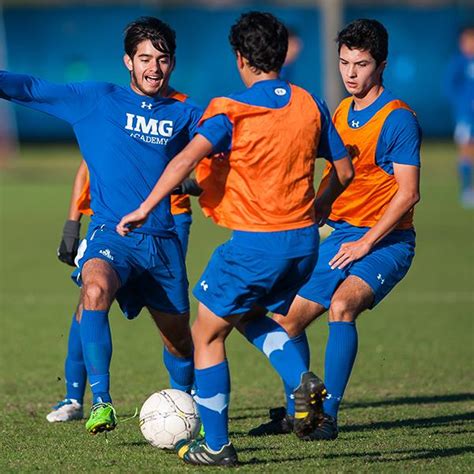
[
  {"x": 188, "y": 186},
  {"x": 69, "y": 244}
]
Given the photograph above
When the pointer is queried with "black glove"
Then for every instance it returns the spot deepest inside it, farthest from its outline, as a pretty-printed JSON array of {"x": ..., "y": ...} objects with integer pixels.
[
  {"x": 67, "y": 250},
  {"x": 188, "y": 186}
]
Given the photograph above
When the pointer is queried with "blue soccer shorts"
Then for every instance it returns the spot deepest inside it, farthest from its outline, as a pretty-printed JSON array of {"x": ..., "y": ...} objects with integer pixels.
[
  {"x": 151, "y": 269},
  {"x": 382, "y": 268},
  {"x": 237, "y": 279}
]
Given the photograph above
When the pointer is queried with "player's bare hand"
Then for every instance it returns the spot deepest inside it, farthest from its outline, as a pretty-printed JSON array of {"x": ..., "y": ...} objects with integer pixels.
[
  {"x": 131, "y": 221},
  {"x": 349, "y": 252},
  {"x": 321, "y": 211}
]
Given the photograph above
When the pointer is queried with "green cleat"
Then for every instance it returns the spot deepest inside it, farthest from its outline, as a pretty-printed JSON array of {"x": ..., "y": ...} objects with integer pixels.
[
  {"x": 309, "y": 396},
  {"x": 102, "y": 418},
  {"x": 199, "y": 454}
]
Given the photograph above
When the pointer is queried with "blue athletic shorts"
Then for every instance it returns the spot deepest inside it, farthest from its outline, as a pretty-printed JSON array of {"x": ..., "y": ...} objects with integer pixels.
[
  {"x": 183, "y": 223},
  {"x": 151, "y": 269},
  {"x": 464, "y": 131},
  {"x": 237, "y": 279},
  {"x": 385, "y": 265}
]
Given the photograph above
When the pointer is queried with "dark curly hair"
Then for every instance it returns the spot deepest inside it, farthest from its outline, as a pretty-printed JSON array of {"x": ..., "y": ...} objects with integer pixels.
[
  {"x": 261, "y": 39},
  {"x": 161, "y": 35},
  {"x": 366, "y": 35}
]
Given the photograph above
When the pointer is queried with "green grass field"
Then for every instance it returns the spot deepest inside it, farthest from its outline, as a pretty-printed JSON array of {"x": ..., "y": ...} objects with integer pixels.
[{"x": 409, "y": 405}]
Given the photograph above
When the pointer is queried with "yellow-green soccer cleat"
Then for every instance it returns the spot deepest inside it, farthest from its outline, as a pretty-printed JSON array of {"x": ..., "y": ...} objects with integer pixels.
[
  {"x": 309, "y": 396},
  {"x": 102, "y": 418}
]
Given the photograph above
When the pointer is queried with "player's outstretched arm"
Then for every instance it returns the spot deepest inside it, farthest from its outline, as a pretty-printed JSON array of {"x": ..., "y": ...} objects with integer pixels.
[
  {"x": 342, "y": 173},
  {"x": 69, "y": 244},
  {"x": 175, "y": 173},
  {"x": 69, "y": 102},
  {"x": 407, "y": 195}
]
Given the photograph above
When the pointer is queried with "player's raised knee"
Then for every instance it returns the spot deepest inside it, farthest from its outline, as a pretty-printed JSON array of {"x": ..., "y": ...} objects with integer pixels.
[
  {"x": 341, "y": 311},
  {"x": 96, "y": 296}
]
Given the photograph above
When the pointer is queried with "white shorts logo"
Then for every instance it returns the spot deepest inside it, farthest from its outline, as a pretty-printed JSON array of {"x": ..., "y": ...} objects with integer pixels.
[
  {"x": 107, "y": 254},
  {"x": 204, "y": 285}
]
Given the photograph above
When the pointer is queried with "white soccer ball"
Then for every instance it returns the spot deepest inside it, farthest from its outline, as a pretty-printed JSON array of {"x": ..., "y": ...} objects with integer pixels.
[{"x": 168, "y": 417}]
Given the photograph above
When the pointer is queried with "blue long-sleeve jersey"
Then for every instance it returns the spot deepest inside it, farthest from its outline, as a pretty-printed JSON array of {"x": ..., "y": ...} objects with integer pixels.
[{"x": 125, "y": 138}]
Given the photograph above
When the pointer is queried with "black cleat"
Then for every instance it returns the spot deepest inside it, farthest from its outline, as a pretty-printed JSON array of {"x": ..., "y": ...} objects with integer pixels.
[
  {"x": 280, "y": 423},
  {"x": 326, "y": 431},
  {"x": 309, "y": 396},
  {"x": 199, "y": 454}
]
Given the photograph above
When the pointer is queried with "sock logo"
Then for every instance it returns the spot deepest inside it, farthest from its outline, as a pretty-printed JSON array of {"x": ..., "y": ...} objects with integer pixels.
[
  {"x": 216, "y": 403},
  {"x": 274, "y": 342},
  {"x": 380, "y": 279}
]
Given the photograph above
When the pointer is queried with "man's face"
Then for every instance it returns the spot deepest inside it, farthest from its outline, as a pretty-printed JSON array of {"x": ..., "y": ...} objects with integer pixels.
[
  {"x": 359, "y": 71},
  {"x": 466, "y": 43},
  {"x": 150, "y": 69}
]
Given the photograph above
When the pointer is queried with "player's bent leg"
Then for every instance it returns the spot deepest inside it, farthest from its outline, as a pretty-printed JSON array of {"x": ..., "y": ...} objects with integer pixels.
[
  {"x": 100, "y": 283},
  {"x": 178, "y": 348},
  {"x": 212, "y": 380},
  {"x": 302, "y": 312},
  {"x": 282, "y": 352},
  {"x": 352, "y": 297}
]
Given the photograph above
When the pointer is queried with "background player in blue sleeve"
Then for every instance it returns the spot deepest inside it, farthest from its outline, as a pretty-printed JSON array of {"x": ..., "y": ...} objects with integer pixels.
[
  {"x": 127, "y": 136},
  {"x": 373, "y": 242},
  {"x": 459, "y": 88}
]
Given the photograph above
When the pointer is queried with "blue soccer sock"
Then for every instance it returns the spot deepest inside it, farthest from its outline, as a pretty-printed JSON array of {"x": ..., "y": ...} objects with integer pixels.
[
  {"x": 465, "y": 173},
  {"x": 180, "y": 369},
  {"x": 341, "y": 352},
  {"x": 97, "y": 349},
  {"x": 271, "y": 339},
  {"x": 302, "y": 346},
  {"x": 212, "y": 398},
  {"x": 74, "y": 367}
]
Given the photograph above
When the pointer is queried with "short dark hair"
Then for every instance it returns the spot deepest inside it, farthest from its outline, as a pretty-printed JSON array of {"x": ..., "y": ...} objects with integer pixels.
[
  {"x": 366, "y": 35},
  {"x": 161, "y": 35},
  {"x": 261, "y": 39}
]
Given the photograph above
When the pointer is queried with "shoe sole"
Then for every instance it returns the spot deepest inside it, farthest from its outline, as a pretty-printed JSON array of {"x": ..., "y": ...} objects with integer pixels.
[
  {"x": 101, "y": 428},
  {"x": 309, "y": 405}
]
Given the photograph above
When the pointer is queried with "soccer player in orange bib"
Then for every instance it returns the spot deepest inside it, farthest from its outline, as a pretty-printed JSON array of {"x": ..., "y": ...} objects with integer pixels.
[
  {"x": 262, "y": 189},
  {"x": 373, "y": 242}
]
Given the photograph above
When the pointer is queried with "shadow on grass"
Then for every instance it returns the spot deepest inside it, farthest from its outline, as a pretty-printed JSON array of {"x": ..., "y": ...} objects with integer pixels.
[
  {"x": 403, "y": 455},
  {"x": 459, "y": 419},
  {"x": 416, "y": 400}
]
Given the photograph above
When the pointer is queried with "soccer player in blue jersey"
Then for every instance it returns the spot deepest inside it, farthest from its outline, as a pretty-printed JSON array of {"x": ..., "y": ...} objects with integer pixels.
[
  {"x": 459, "y": 87},
  {"x": 263, "y": 190},
  {"x": 127, "y": 136},
  {"x": 71, "y": 406},
  {"x": 373, "y": 242}
]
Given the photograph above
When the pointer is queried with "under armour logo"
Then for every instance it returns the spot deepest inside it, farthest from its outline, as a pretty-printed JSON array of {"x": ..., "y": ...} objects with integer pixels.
[
  {"x": 280, "y": 91},
  {"x": 380, "y": 279},
  {"x": 355, "y": 124},
  {"x": 146, "y": 106},
  {"x": 204, "y": 285}
]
